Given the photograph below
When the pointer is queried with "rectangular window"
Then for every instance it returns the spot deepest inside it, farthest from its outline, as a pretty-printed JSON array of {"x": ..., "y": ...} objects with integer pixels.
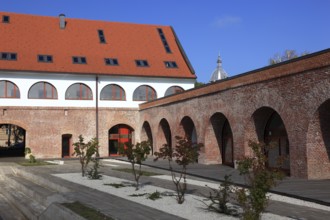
[
  {"x": 8, "y": 56},
  {"x": 170, "y": 64},
  {"x": 141, "y": 63},
  {"x": 101, "y": 36},
  {"x": 111, "y": 61},
  {"x": 164, "y": 41},
  {"x": 79, "y": 60},
  {"x": 5, "y": 19},
  {"x": 45, "y": 58}
]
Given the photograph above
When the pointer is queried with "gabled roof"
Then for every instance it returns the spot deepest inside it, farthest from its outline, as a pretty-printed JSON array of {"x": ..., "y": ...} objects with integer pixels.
[{"x": 30, "y": 36}]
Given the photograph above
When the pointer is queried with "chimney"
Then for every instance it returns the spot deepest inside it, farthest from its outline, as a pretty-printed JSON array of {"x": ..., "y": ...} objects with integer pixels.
[{"x": 62, "y": 21}]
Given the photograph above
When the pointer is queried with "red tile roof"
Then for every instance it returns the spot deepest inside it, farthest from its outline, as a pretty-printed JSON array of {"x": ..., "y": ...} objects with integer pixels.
[{"x": 30, "y": 35}]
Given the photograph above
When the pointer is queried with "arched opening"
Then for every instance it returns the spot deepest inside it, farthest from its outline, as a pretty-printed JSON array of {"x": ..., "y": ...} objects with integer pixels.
[
  {"x": 119, "y": 134},
  {"x": 147, "y": 135},
  {"x": 67, "y": 148},
  {"x": 12, "y": 140},
  {"x": 144, "y": 93},
  {"x": 271, "y": 130},
  {"x": 318, "y": 143},
  {"x": 165, "y": 133},
  {"x": 189, "y": 129},
  {"x": 224, "y": 138},
  {"x": 173, "y": 90},
  {"x": 324, "y": 116}
]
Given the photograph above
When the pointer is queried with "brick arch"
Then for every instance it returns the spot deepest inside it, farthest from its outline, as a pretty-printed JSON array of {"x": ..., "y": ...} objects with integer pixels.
[
  {"x": 146, "y": 134},
  {"x": 15, "y": 122},
  {"x": 318, "y": 143},
  {"x": 188, "y": 129},
  {"x": 214, "y": 140},
  {"x": 164, "y": 133},
  {"x": 255, "y": 131}
]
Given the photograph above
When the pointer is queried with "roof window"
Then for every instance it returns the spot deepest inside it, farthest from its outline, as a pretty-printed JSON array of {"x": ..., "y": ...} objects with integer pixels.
[
  {"x": 141, "y": 63},
  {"x": 163, "y": 39},
  {"x": 111, "y": 61},
  {"x": 45, "y": 58},
  {"x": 79, "y": 60},
  {"x": 5, "y": 19},
  {"x": 170, "y": 64},
  {"x": 8, "y": 56},
  {"x": 101, "y": 36}
]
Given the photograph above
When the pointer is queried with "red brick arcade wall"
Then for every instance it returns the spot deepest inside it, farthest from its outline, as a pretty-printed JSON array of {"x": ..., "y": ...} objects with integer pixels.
[
  {"x": 298, "y": 91},
  {"x": 45, "y": 126}
]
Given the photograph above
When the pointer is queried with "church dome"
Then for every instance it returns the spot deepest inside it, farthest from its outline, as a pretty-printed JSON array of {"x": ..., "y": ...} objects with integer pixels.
[{"x": 219, "y": 73}]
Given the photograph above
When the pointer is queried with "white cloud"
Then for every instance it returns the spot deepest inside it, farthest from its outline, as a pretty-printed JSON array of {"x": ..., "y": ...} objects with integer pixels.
[{"x": 226, "y": 21}]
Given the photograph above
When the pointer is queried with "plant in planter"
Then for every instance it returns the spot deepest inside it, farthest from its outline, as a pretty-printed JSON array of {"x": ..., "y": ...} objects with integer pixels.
[{"x": 184, "y": 153}]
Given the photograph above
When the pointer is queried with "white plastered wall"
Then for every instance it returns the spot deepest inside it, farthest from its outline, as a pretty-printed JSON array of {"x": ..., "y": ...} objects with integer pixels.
[{"x": 61, "y": 82}]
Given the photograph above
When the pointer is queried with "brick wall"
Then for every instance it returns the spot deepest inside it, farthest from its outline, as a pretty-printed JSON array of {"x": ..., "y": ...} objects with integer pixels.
[{"x": 297, "y": 96}]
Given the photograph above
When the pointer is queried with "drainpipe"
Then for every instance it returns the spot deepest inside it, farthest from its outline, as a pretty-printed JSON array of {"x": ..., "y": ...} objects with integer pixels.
[{"x": 97, "y": 109}]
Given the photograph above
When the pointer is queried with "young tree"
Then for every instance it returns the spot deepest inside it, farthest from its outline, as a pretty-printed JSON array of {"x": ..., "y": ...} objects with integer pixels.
[
  {"x": 184, "y": 153},
  {"x": 85, "y": 152},
  {"x": 136, "y": 154},
  {"x": 260, "y": 180}
]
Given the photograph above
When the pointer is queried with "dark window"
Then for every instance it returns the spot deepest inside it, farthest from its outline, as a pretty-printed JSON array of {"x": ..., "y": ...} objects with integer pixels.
[
  {"x": 8, "y": 90},
  {"x": 170, "y": 64},
  {"x": 101, "y": 36},
  {"x": 144, "y": 93},
  {"x": 42, "y": 90},
  {"x": 5, "y": 19},
  {"x": 164, "y": 41},
  {"x": 141, "y": 63},
  {"x": 111, "y": 61},
  {"x": 172, "y": 90},
  {"x": 8, "y": 56},
  {"x": 113, "y": 92},
  {"x": 79, "y": 91},
  {"x": 45, "y": 58},
  {"x": 79, "y": 60}
]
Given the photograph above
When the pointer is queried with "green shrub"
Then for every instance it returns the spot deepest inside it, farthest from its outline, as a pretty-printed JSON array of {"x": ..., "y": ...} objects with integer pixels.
[
  {"x": 86, "y": 152},
  {"x": 260, "y": 180},
  {"x": 185, "y": 153},
  {"x": 136, "y": 154}
]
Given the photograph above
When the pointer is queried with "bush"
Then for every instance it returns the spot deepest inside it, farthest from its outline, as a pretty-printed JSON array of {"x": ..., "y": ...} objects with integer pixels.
[
  {"x": 219, "y": 199},
  {"x": 260, "y": 180},
  {"x": 85, "y": 152},
  {"x": 136, "y": 154},
  {"x": 185, "y": 153}
]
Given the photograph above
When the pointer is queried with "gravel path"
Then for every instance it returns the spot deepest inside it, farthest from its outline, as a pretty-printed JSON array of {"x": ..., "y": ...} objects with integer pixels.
[{"x": 192, "y": 208}]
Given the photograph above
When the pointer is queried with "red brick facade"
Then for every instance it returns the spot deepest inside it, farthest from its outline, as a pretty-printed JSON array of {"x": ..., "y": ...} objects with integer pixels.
[{"x": 297, "y": 91}]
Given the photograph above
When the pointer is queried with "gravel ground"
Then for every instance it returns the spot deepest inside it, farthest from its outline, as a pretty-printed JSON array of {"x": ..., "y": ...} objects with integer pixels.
[{"x": 192, "y": 208}]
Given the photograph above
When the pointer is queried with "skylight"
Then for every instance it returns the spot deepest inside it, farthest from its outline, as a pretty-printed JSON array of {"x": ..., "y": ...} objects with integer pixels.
[
  {"x": 45, "y": 58},
  {"x": 141, "y": 63},
  {"x": 111, "y": 61},
  {"x": 170, "y": 64},
  {"x": 163, "y": 39},
  {"x": 101, "y": 36},
  {"x": 8, "y": 56},
  {"x": 5, "y": 19},
  {"x": 79, "y": 60}
]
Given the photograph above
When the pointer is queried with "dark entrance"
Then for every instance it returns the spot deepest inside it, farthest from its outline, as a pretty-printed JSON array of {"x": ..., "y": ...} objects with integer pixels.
[
  {"x": 12, "y": 140},
  {"x": 227, "y": 145},
  {"x": 275, "y": 135},
  {"x": 66, "y": 145}
]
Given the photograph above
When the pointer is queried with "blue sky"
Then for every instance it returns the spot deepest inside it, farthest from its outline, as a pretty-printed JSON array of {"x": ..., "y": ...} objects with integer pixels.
[{"x": 245, "y": 33}]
